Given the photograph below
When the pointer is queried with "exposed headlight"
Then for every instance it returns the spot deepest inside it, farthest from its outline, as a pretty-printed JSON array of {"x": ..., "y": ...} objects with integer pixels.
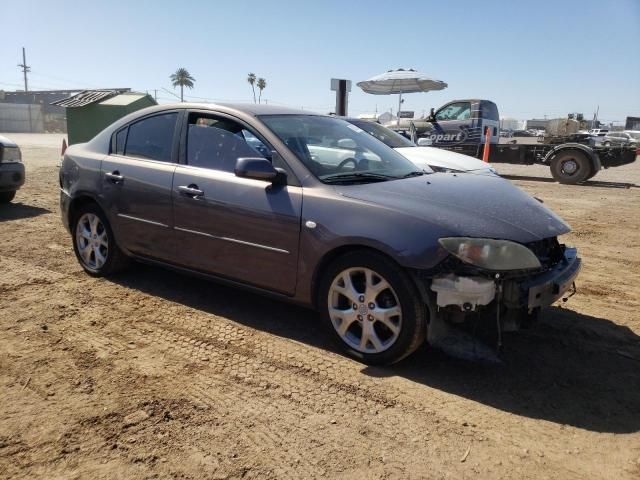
[
  {"x": 491, "y": 254},
  {"x": 10, "y": 154}
]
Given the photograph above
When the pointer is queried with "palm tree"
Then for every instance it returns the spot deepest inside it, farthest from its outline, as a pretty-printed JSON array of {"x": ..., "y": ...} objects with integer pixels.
[
  {"x": 251, "y": 78},
  {"x": 182, "y": 78},
  {"x": 261, "y": 84}
]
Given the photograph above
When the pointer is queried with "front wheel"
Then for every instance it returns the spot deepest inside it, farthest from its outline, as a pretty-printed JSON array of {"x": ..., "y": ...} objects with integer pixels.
[
  {"x": 94, "y": 243},
  {"x": 373, "y": 307},
  {"x": 6, "y": 197}
]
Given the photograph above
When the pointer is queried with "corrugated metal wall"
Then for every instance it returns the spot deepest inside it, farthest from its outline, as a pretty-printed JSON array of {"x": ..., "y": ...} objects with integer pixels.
[{"x": 19, "y": 117}]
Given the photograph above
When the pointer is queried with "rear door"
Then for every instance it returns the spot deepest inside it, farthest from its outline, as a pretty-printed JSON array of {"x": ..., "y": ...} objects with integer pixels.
[
  {"x": 137, "y": 178},
  {"x": 242, "y": 229}
]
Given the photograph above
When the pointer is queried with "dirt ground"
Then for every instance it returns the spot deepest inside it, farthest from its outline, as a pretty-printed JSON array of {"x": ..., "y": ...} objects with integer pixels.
[{"x": 156, "y": 375}]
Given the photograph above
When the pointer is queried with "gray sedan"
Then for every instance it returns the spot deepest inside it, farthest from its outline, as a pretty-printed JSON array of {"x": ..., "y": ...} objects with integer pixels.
[{"x": 313, "y": 210}]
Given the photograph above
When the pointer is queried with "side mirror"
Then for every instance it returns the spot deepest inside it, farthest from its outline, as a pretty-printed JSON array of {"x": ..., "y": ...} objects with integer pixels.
[
  {"x": 432, "y": 116},
  {"x": 424, "y": 142},
  {"x": 259, "y": 169}
]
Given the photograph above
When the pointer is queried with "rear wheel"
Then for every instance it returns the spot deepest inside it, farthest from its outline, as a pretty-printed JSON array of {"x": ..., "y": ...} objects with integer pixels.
[
  {"x": 571, "y": 166},
  {"x": 6, "y": 197},
  {"x": 94, "y": 243},
  {"x": 373, "y": 307}
]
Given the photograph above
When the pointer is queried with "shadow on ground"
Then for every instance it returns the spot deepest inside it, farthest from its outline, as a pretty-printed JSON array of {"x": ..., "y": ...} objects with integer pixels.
[
  {"x": 588, "y": 183},
  {"x": 16, "y": 211},
  {"x": 570, "y": 369}
]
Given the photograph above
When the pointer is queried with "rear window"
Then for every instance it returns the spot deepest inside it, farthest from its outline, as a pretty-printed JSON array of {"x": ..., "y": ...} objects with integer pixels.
[
  {"x": 489, "y": 111},
  {"x": 152, "y": 137}
]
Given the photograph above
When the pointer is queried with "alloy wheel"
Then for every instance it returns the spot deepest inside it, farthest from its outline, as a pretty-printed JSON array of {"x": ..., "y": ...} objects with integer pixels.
[
  {"x": 92, "y": 241},
  {"x": 364, "y": 310}
]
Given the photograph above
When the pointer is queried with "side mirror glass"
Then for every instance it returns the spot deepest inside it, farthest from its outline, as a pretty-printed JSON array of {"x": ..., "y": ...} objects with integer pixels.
[
  {"x": 258, "y": 168},
  {"x": 424, "y": 142}
]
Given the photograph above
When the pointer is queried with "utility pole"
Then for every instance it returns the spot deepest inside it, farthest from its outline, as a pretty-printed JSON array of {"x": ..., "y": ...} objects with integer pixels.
[{"x": 25, "y": 69}]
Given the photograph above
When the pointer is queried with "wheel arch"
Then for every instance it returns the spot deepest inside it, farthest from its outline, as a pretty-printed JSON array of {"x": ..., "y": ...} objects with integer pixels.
[
  {"x": 77, "y": 202},
  {"x": 584, "y": 149},
  {"x": 331, "y": 255}
]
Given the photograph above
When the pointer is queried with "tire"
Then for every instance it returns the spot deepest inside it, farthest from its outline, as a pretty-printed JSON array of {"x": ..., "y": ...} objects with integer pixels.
[
  {"x": 6, "y": 197},
  {"x": 393, "y": 318},
  {"x": 607, "y": 144},
  {"x": 94, "y": 243},
  {"x": 571, "y": 167}
]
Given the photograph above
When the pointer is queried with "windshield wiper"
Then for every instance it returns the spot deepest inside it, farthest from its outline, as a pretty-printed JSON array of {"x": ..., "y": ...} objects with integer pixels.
[
  {"x": 356, "y": 176},
  {"x": 417, "y": 173}
]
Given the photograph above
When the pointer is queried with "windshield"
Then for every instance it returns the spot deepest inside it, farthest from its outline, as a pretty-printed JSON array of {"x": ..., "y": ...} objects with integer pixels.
[
  {"x": 384, "y": 134},
  {"x": 334, "y": 149}
]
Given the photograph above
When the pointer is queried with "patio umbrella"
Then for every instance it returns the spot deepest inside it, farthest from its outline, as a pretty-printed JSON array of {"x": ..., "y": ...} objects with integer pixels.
[{"x": 400, "y": 81}]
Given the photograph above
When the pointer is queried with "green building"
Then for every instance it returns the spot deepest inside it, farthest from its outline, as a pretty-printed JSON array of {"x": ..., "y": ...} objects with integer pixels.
[{"x": 91, "y": 111}]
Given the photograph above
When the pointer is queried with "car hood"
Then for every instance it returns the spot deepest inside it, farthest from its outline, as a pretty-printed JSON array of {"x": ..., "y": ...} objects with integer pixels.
[
  {"x": 459, "y": 204},
  {"x": 439, "y": 157},
  {"x": 7, "y": 142}
]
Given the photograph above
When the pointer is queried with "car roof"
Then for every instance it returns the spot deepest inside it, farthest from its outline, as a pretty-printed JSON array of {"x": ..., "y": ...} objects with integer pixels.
[{"x": 248, "y": 108}]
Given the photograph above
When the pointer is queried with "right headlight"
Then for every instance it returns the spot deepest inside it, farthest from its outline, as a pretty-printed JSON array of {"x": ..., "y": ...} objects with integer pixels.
[
  {"x": 490, "y": 254},
  {"x": 10, "y": 154}
]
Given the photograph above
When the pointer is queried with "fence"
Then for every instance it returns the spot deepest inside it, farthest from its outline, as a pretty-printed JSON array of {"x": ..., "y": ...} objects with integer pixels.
[{"x": 20, "y": 117}]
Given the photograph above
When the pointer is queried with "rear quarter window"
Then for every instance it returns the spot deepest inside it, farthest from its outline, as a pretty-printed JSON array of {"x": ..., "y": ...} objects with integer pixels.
[
  {"x": 119, "y": 142},
  {"x": 489, "y": 110}
]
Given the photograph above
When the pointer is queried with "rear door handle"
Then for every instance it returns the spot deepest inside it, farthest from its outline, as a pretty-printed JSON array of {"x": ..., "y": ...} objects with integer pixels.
[
  {"x": 114, "y": 177},
  {"x": 190, "y": 191}
]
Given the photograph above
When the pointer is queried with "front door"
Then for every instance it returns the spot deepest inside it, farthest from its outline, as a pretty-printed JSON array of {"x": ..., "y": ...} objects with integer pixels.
[
  {"x": 453, "y": 125},
  {"x": 242, "y": 229},
  {"x": 136, "y": 185}
]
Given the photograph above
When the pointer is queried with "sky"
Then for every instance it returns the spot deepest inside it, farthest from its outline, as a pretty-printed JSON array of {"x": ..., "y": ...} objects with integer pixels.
[{"x": 532, "y": 58}]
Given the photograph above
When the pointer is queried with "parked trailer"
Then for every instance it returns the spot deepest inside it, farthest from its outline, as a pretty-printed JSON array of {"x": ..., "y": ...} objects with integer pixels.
[{"x": 570, "y": 161}]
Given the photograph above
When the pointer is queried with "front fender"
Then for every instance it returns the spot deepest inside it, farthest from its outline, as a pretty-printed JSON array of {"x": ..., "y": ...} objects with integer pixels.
[{"x": 336, "y": 223}]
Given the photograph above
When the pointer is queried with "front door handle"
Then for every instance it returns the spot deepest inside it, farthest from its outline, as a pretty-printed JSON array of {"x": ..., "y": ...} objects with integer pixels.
[
  {"x": 190, "y": 191},
  {"x": 114, "y": 177}
]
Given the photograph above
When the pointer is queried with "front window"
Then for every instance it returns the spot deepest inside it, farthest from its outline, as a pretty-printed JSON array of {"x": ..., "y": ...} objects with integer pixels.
[
  {"x": 455, "y": 111},
  {"x": 217, "y": 142},
  {"x": 385, "y": 135},
  {"x": 335, "y": 150}
]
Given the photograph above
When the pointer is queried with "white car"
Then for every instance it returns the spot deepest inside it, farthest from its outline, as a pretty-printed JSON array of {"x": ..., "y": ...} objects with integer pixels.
[{"x": 435, "y": 158}]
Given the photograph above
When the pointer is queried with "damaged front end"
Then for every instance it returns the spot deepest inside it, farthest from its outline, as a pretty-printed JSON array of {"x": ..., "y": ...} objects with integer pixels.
[{"x": 486, "y": 287}]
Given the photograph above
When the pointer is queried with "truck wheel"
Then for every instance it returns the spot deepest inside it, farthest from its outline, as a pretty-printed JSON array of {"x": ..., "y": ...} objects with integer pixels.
[
  {"x": 373, "y": 308},
  {"x": 6, "y": 197},
  {"x": 571, "y": 167}
]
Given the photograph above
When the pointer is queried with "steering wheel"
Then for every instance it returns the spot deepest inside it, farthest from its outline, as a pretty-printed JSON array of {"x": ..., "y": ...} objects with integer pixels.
[{"x": 346, "y": 161}]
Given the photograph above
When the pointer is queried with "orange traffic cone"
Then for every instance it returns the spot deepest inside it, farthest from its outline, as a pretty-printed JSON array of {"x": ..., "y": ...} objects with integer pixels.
[{"x": 487, "y": 144}]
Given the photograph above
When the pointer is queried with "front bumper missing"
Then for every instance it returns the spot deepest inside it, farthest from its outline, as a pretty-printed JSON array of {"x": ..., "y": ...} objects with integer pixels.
[{"x": 467, "y": 291}]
